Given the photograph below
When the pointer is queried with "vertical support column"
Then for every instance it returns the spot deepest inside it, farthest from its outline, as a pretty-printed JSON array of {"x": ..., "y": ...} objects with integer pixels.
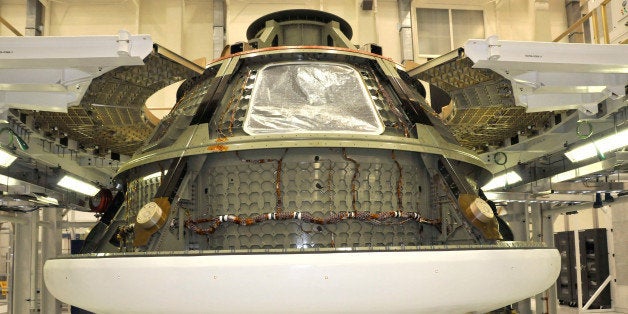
[
  {"x": 548, "y": 237},
  {"x": 51, "y": 247},
  {"x": 537, "y": 236},
  {"x": 218, "y": 43},
  {"x": 605, "y": 24},
  {"x": 576, "y": 238},
  {"x": 518, "y": 220},
  {"x": 528, "y": 220},
  {"x": 596, "y": 29},
  {"x": 34, "y": 18},
  {"x": 405, "y": 30},
  {"x": 572, "y": 8},
  {"x": 23, "y": 281},
  {"x": 619, "y": 253}
]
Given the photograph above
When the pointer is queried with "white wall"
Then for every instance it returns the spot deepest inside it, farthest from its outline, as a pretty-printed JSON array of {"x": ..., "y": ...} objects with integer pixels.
[
  {"x": 15, "y": 14},
  {"x": 73, "y": 18},
  {"x": 515, "y": 20},
  {"x": 185, "y": 26},
  {"x": 525, "y": 20},
  {"x": 620, "y": 243}
]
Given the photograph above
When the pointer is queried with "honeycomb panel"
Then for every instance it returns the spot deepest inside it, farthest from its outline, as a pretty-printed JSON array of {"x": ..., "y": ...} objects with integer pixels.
[
  {"x": 485, "y": 110},
  {"x": 139, "y": 192},
  {"x": 319, "y": 182},
  {"x": 457, "y": 74},
  {"x": 110, "y": 112},
  {"x": 475, "y": 127}
]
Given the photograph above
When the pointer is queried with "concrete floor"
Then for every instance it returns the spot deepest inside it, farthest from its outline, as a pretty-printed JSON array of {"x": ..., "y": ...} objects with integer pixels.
[
  {"x": 561, "y": 309},
  {"x": 5, "y": 310}
]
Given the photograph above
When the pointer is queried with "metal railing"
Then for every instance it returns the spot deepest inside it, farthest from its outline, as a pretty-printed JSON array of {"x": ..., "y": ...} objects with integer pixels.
[
  {"x": 593, "y": 16},
  {"x": 10, "y": 27}
]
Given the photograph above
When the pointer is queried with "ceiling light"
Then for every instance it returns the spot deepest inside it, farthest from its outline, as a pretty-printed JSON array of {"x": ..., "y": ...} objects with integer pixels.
[
  {"x": 45, "y": 199},
  {"x": 77, "y": 185},
  {"x": 503, "y": 180},
  {"x": 8, "y": 181},
  {"x": 155, "y": 175},
  {"x": 599, "y": 147},
  {"x": 6, "y": 158},
  {"x": 564, "y": 176}
]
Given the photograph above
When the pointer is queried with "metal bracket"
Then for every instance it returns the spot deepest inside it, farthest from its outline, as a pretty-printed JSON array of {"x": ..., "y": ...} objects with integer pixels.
[
  {"x": 52, "y": 73},
  {"x": 555, "y": 76}
]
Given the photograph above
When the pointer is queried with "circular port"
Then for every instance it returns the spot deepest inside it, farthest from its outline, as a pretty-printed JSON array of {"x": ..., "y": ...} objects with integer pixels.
[
  {"x": 149, "y": 215},
  {"x": 481, "y": 210}
]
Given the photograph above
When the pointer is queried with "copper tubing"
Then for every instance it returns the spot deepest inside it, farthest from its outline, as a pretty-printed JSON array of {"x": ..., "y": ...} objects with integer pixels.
[
  {"x": 378, "y": 218},
  {"x": 279, "y": 206},
  {"x": 230, "y": 104},
  {"x": 278, "y": 185},
  {"x": 388, "y": 99},
  {"x": 292, "y": 49},
  {"x": 356, "y": 172},
  {"x": 399, "y": 182}
]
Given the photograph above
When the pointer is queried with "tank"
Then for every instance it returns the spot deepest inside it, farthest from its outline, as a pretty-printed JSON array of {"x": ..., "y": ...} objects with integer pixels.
[{"x": 300, "y": 173}]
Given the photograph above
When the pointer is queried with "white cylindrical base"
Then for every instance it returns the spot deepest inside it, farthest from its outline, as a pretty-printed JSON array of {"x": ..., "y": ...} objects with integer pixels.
[{"x": 453, "y": 281}]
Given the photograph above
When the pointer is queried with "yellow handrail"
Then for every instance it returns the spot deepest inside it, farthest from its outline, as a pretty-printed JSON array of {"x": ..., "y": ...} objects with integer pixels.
[
  {"x": 593, "y": 15},
  {"x": 596, "y": 30},
  {"x": 10, "y": 27},
  {"x": 605, "y": 24}
]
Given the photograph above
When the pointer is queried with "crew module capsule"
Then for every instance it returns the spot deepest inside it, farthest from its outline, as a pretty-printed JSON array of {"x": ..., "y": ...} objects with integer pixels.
[{"x": 301, "y": 174}]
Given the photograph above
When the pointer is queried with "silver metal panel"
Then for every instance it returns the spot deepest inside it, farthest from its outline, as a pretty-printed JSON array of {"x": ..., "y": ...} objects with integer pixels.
[
  {"x": 111, "y": 112},
  {"x": 484, "y": 110}
]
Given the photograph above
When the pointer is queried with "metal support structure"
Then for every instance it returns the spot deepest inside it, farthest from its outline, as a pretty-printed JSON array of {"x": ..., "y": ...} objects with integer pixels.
[
  {"x": 51, "y": 73},
  {"x": 26, "y": 293},
  {"x": 535, "y": 222},
  {"x": 604, "y": 24},
  {"x": 572, "y": 8},
  {"x": 51, "y": 247},
  {"x": 621, "y": 201},
  {"x": 610, "y": 280},
  {"x": 530, "y": 222},
  {"x": 597, "y": 292},
  {"x": 24, "y": 276},
  {"x": 592, "y": 14},
  {"x": 596, "y": 29},
  {"x": 10, "y": 27},
  {"x": 578, "y": 267},
  {"x": 219, "y": 27},
  {"x": 405, "y": 30},
  {"x": 550, "y": 295},
  {"x": 76, "y": 224},
  {"x": 34, "y": 18},
  {"x": 518, "y": 221},
  {"x": 567, "y": 76}
]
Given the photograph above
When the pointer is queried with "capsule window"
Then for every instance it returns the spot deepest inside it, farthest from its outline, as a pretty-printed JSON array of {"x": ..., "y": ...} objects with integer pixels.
[{"x": 311, "y": 97}]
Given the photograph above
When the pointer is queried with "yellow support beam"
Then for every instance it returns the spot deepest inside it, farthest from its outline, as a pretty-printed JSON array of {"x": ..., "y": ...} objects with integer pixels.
[{"x": 9, "y": 26}]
